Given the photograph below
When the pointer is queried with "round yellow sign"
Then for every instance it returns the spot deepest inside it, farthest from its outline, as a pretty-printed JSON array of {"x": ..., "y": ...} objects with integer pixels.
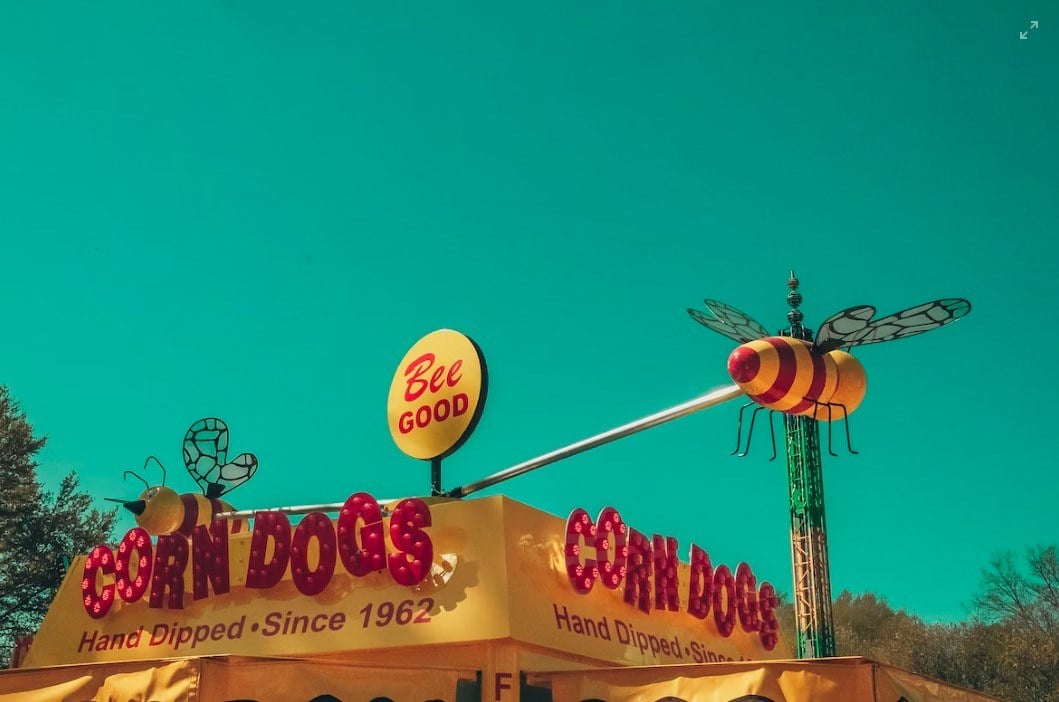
[{"x": 437, "y": 395}]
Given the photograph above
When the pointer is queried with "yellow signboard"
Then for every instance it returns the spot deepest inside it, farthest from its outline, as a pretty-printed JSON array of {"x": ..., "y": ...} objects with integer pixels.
[
  {"x": 437, "y": 395},
  {"x": 497, "y": 571},
  {"x": 601, "y": 624},
  {"x": 458, "y": 600}
]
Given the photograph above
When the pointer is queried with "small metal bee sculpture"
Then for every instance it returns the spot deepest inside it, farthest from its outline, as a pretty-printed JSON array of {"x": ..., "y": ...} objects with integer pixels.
[
  {"x": 814, "y": 379},
  {"x": 161, "y": 510}
]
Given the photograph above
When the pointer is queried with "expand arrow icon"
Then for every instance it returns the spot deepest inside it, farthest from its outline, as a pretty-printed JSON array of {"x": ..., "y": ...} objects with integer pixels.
[
  {"x": 1033, "y": 24},
  {"x": 1023, "y": 35}
]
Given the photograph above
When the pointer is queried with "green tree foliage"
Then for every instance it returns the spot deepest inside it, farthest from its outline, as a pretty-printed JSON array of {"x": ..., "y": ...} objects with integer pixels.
[
  {"x": 1009, "y": 647},
  {"x": 37, "y": 528}
]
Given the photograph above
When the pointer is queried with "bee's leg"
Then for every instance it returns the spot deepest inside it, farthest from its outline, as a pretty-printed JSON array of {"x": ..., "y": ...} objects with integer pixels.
[
  {"x": 750, "y": 431},
  {"x": 739, "y": 428},
  {"x": 845, "y": 415},
  {"x": 829, "y": 422},
  {"x": 772, "y": 433}
]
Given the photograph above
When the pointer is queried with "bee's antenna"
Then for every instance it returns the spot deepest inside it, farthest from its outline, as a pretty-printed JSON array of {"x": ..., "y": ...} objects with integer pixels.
[
  {"x": 159, "y": 465},
  {"x": 127, "y": 473}
]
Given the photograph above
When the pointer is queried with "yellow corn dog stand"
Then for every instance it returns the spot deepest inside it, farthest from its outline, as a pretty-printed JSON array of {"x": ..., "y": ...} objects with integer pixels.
[{"x": 484, "y": 600}]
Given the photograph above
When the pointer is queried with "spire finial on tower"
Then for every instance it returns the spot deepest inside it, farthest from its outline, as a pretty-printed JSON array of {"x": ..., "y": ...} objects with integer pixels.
[{"x": 794, "y": 299}]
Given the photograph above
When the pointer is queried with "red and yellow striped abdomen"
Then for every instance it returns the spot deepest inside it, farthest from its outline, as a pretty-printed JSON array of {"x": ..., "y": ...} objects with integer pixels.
[
  {"x": 785, "y": 374},
  {"x": 199, "y": 510}
]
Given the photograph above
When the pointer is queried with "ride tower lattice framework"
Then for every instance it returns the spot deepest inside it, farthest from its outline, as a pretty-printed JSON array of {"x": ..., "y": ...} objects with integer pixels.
[{"x": 812, "y": 581}]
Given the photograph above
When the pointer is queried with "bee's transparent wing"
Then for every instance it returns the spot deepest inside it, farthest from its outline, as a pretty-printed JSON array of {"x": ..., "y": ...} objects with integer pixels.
[
  {"x": 727, "y": 320},
  {"x": 206, "y": 458},
  {"x": 236, "y": 472},
  {"x": 855, "y": 326}
]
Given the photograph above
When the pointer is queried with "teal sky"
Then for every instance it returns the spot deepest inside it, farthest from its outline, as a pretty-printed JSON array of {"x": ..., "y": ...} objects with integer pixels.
[{"x": 252, "y": 209}]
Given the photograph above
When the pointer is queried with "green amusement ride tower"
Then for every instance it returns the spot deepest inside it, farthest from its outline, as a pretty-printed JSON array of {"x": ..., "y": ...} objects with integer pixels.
[
  {"x": 810, "y": 378},
  {"x": 812, "y": 578}
]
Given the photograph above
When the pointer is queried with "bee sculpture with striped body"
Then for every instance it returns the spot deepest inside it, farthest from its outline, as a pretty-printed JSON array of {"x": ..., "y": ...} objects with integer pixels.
[
  {"x": 815, "y": 379},
  {"x": 161, "y": 510}
]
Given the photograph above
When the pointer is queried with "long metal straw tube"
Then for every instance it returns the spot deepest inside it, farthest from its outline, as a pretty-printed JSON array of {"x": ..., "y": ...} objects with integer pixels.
[
  {"x": 714, "y": 397},
  {"x": 299, "y": 509}
]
